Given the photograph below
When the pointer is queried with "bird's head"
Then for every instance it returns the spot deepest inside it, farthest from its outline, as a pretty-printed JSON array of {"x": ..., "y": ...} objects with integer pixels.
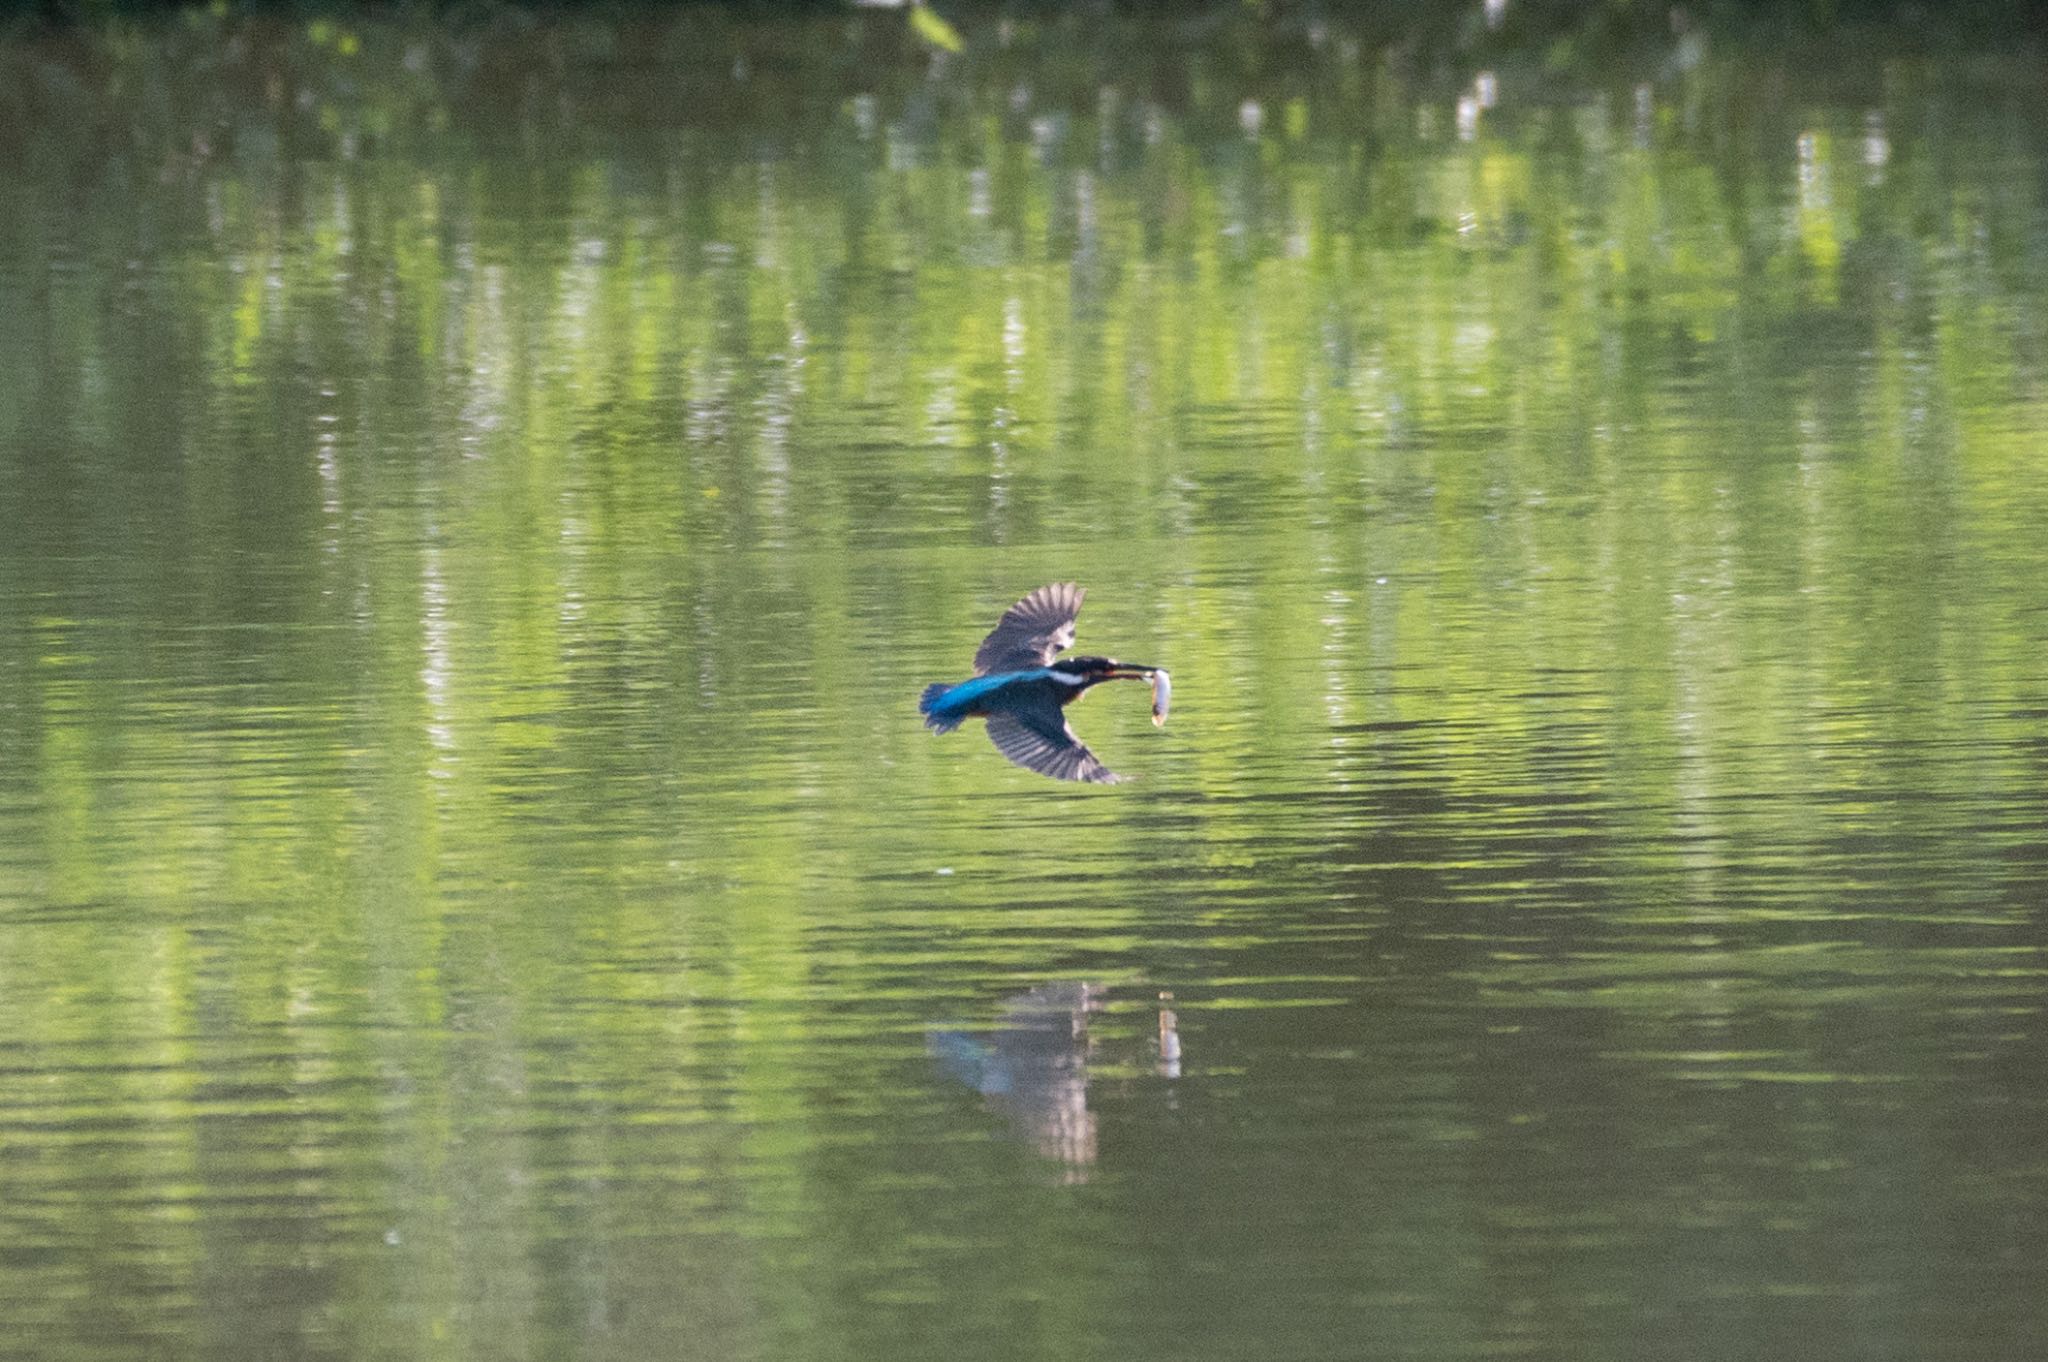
[{"x": 1089, "y": 670}]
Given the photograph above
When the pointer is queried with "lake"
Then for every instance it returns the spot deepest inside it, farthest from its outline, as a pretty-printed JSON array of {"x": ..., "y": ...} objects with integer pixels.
[{"x": 479, "y": 500}]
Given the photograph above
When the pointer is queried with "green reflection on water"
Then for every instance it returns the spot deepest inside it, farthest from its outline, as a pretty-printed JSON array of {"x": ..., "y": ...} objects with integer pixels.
[{"x": 482, "y": 502}]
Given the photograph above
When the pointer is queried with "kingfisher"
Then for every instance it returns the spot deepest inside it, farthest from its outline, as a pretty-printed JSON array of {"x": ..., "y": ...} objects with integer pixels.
[{"x": 1020, "y": 689}]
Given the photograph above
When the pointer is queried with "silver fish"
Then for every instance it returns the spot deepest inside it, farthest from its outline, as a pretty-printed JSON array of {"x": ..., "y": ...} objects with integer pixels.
[{"x": 1162, "y": 696}]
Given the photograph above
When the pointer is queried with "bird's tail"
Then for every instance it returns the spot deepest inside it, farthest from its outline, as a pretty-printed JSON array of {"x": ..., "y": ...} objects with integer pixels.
[{"x": 928, "y": 705}]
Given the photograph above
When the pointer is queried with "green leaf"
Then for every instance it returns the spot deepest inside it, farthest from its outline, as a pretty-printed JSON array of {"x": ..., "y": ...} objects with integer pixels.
[{"x": 934, "y": 30}]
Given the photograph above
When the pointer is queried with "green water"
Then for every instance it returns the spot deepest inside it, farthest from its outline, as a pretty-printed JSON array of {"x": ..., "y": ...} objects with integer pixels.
[{"x": 479, "y": 499}]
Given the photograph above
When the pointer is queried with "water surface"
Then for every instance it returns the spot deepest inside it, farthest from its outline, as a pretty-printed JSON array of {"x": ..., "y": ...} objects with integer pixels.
[{"x": 480, "y": 502}]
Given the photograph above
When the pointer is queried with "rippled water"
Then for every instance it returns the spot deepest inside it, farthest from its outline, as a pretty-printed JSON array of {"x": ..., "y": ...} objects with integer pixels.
[{"x": 477, "y": 519}]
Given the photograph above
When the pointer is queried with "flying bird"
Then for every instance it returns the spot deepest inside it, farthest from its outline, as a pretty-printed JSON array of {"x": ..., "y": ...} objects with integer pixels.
[{"x": 1021, "y": 690}]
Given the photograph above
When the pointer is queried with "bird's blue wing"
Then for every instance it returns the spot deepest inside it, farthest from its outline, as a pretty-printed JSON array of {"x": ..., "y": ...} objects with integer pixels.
[
  {"x": 944, "y": 706},
  {"x": 1036, "y": 737},
  {"x": 1032, "y": 632}
]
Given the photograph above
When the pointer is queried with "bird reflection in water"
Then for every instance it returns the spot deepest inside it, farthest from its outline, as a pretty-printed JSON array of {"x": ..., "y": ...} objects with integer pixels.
[{"x": 1033, "y": 1067}]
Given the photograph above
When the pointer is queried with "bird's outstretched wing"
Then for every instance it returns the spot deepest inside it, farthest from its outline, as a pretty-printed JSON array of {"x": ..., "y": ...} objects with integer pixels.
[
  {"x": 1031, "y": 632},
  {"x": 1038, "y": 738}
]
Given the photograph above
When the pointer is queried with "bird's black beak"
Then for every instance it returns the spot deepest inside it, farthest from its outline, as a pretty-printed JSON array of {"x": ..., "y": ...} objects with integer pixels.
[{"x": 1132, "y": 671}]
